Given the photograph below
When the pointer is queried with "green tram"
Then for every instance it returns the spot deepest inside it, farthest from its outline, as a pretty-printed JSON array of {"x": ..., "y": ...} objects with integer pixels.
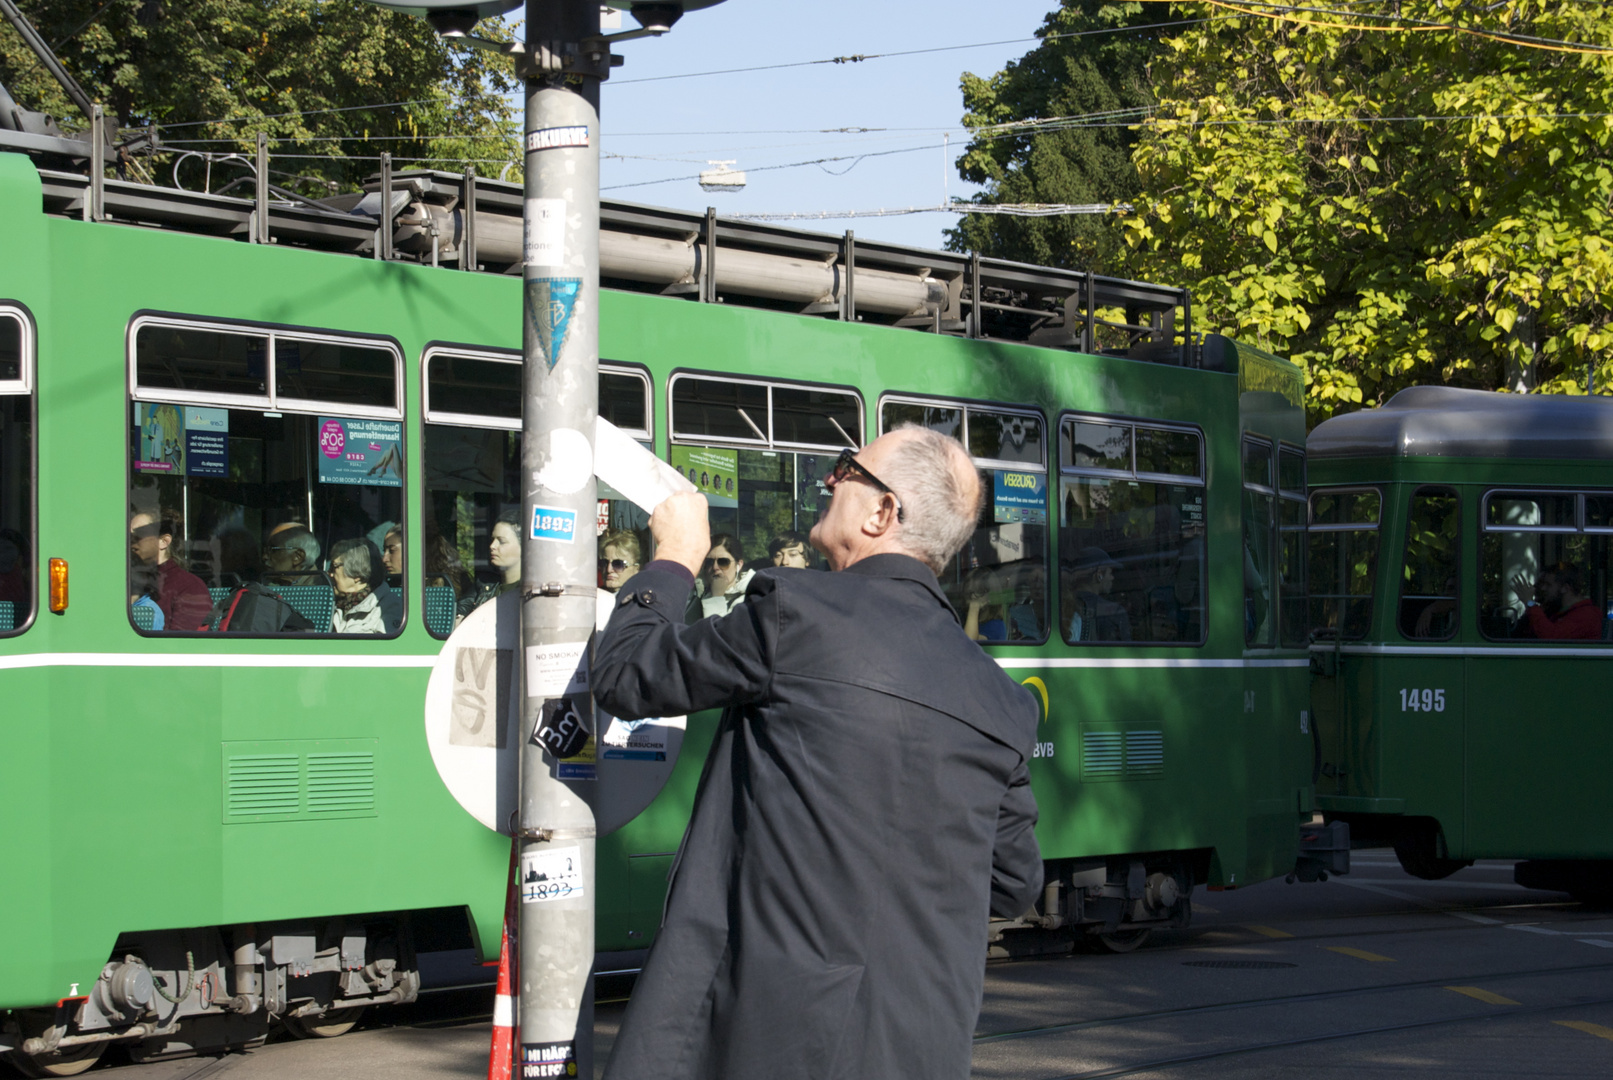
[
  {"x": 225, "y": 828},
  {"x": 1462, "y": 570}
]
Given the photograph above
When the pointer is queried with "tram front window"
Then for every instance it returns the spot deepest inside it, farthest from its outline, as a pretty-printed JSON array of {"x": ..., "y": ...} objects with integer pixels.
[
  {"x": 225, "y": 494},
  {"x": 1343, "y": 562},
  {"x": 16, "y": 477},
  {"x": 1131, "y": 532},
  {"x": 1546, "y": 565}
]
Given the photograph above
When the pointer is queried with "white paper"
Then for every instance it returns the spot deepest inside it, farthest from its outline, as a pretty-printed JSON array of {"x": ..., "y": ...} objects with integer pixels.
[
  {"x": 556, "y": 670},
  {"x": 546, "y": 232},
  {"x": 551, "y": 874},
  {"x": 644, "y": 479}
]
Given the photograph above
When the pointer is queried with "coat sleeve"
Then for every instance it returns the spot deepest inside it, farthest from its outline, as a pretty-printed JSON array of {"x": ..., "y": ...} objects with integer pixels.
[
  {"x": 650, "y": 663},
  {"x": 1016, "y": 860}
]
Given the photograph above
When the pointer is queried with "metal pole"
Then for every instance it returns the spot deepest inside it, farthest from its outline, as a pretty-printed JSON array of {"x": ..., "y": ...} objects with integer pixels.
[{"x": 560, "y": 384}]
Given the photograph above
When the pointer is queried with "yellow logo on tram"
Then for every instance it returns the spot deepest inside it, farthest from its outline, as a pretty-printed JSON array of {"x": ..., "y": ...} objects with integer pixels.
[{"x": 1035, "y": 683}]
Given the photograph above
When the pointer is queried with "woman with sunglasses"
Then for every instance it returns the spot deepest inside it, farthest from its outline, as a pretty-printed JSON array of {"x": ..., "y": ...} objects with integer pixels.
[
  {"x": 619, "y": 557},
  {"x": 723, "y": 577}
]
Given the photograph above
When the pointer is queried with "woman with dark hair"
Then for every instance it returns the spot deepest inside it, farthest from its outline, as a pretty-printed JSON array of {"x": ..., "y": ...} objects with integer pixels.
[
  {"x": 504, "y": 553},
  {"x": 723, "y": 577},
  {"x": 358, "y": 609}
]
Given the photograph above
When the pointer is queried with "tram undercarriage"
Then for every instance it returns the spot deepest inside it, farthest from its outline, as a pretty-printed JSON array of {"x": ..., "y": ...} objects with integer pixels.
[{"x": 180, "y": 992}]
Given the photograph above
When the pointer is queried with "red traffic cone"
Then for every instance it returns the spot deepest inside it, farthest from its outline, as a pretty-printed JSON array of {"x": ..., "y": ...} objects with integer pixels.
[{"x": 501, "y": 1061}]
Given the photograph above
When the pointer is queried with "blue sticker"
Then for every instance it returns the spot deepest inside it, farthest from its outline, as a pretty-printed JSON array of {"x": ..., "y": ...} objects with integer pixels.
[
  {"x": 1019, "y": 496},
  {"x": 554, "y": 523},
  {"x": 549, "y": 302}
]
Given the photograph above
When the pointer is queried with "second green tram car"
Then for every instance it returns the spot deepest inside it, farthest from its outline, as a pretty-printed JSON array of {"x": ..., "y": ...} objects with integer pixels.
[
  {"x": 229, "y": 828},
  {"x": 1462, "y": 576}
]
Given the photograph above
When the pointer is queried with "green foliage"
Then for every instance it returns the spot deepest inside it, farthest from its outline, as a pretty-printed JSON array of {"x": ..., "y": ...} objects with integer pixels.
[
  {"x": 1312, "y": 186},
  {"x": 228, "y": 69},
  {"x": 1049, "y": 163}
]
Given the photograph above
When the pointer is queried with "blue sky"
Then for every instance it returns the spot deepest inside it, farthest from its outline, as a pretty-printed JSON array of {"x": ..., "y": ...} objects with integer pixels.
[{"x": 671, "y": 127}]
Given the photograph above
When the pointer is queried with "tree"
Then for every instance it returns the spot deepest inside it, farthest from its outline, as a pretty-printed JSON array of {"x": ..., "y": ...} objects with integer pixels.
[
  {"x": 1102, "y": 75},
  {"x": 1387, "y": 202},
  {"x": 336, "y": 80}
]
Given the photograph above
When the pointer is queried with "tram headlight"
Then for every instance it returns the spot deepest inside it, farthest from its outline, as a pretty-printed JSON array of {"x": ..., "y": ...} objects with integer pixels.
[{"x": 58, "y": 586}]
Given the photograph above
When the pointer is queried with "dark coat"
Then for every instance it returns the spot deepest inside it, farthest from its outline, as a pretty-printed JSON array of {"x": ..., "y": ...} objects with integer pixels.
[{"x": 864, "y": 808}]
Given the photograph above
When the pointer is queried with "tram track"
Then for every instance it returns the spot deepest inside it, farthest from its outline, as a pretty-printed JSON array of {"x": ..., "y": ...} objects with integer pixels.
[
  {"x": 1045, "y": 1030},
  {"x": 1311, "y": 1040}
]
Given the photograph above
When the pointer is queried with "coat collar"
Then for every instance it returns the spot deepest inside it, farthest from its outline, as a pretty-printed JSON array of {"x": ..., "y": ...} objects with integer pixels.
[{"x": 903, "y": 568}]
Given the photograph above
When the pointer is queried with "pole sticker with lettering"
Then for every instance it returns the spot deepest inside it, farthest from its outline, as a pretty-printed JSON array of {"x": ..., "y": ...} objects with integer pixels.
[
  {"x": 556, "y": 138},
  {"x": 542, "y": 1060}
]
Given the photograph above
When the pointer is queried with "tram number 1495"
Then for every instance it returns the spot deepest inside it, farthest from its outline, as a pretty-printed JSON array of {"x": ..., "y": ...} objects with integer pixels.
[{"x": 1422, "y": 700}]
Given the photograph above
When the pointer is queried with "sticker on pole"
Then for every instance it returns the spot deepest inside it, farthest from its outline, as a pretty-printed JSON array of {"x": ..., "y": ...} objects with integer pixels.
[
  {"x": 545, "y": 232},
  {"x": 557, "y": 138},
  {"x": 549, "y": 303},
  {"x": 551, "y": 874},
  {"x": 554, "y": 523}
]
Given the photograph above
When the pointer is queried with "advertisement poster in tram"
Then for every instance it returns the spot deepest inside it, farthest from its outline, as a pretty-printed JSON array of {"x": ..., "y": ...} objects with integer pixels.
[
  {"x": 714, "y": 473},
  {"x": 360, "y": 451},
  {"x": 162, "y": 438}
]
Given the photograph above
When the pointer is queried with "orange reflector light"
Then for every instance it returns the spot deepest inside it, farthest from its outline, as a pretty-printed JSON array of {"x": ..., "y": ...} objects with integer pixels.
[{"x": 58, "y": 586}]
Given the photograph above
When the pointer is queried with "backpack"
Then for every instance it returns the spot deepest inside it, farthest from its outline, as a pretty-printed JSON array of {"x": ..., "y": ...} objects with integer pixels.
[{"x": 255, "y": 609}]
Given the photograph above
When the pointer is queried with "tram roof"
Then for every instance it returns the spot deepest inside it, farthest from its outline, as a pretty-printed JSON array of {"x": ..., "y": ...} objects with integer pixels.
[{"x": 1446, "y": 421}]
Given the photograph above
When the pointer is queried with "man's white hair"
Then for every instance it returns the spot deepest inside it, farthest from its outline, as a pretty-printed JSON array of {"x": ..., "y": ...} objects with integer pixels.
[{"x": 940, "y": 490}]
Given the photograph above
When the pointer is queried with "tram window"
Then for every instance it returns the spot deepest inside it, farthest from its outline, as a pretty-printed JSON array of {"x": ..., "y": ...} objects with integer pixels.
[
  {"x": 998, "y": 581},
  {"x": 719, "y": 409},
  {"x": 946, "y": 419},
  {"x": 1429, "y": 577},
  {"x": 1259, "y": 511},
  {"x": 1131, "y": 549},
  {"x": 194, "y": 360},
  {"x": 1533, "y": 549},
  {"x": 297, "y": 499},
  {"x": 804, "y": 416},
  {"x": 16, "y": 475},
  {"x": 471, "y": 545},
  {"x": 1292, "y": 624},
  {"x": 1343, "y": 562},
  {"x": 230, "y": 497},
  {"x": 336, "y": 372}
]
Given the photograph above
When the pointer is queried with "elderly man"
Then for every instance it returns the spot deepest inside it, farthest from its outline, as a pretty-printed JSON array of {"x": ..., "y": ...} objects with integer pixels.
[
  {"x": 291, "y": 556},
  {"x": 865, "y": 806}
]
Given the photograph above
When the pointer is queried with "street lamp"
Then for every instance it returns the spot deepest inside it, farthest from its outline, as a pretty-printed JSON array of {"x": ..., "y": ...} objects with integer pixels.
[{"x": 563, "y": 61}]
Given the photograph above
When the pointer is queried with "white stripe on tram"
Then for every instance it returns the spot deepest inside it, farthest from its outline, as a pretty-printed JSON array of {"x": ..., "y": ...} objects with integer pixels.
[
  {"x": 1541, "y": 651},
  {"x": 1143, "y": 662},
  {"x": 213, "y": 660}
]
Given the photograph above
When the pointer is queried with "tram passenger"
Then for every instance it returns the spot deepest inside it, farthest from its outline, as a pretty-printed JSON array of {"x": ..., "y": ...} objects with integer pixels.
[
  {"x": 504, "y": 553},
  {"x": 1563, "y": 587},
  {"x": 866, "y": 805},
  {"x": 983, "y": 618},
  {"x": 143, "y": 593},
  {"x": 357, "y": 609},
  {"x": 723, "y": 577},
  {"x": 619, "y": 558},
  {"x": 1094, "y": 617},
  {"x": 14, "y": 568},
  {"x": 182, "y": 596},
  {"x": 392, "y": 553},
  {"x": 292, "y": 555},
  {"x": 443, "y": 567},
  {"x": 789, "y": 549}
]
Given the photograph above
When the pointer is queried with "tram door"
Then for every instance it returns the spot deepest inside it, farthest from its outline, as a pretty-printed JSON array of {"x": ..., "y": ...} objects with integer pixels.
[
  {"x": 1540, "y": 718},
  {"x": 1344, "y": 525}
]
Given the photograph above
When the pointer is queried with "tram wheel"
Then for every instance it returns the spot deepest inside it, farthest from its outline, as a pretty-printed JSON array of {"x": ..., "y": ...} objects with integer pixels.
[
  {"x": 1124, "y": 941},
  {"x": 1418, "y": 846},
  {"x": 70, "y": 1062},
  {"x": 327, "y": 1025}
]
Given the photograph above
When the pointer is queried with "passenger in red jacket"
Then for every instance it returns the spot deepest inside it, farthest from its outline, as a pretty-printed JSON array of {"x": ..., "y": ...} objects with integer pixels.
[
  {"x": 182, "y": 596},
  {"x": 1563, "y": 588}
]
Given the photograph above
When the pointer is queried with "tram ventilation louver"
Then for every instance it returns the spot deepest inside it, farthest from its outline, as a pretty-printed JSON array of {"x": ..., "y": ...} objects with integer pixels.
[
  {"x": 1122, "y": 754},
  {"x": 299, "y": 780}
]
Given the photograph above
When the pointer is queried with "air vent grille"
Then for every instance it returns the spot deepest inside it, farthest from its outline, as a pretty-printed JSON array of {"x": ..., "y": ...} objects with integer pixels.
[
  {"x": 1122, "y": 752},
  {"x": 299, "y": 780},
  {"x": 263, "y": 784},
  {"x": 341, "y": 783}
]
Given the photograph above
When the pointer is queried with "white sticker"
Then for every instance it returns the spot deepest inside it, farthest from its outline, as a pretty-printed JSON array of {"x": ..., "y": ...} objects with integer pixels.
[
  {"x": 546, "y": 232},
  {"x": 554, "y": 671},
  {"x": 570, "y": 464},
  {"x": 551, "y": 874}
]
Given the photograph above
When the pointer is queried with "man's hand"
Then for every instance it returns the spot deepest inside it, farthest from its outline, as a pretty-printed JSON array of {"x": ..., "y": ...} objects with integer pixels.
[
  {"x": 1524, "y": 588},
  {"x": 681, "y": 529}
]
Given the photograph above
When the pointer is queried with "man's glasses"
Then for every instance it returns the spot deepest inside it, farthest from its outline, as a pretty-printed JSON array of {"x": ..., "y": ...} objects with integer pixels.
[
  {"x": 719, "y": 562},
  {"x": 144, "y": 532},
  {"x": 614, "y": 566},
  {"x": 847, "y": 463}
]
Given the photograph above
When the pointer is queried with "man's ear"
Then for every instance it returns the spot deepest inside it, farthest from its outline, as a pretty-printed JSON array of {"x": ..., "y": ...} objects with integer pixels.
[{"x": 297, "y": 558}]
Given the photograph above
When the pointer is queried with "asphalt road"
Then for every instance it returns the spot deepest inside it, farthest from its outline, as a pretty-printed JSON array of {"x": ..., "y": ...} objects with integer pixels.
[{"x": 1371, "y": 975}]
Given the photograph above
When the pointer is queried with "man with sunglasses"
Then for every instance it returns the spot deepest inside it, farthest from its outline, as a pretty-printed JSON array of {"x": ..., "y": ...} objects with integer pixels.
[{"x": 865, "y": 806}]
